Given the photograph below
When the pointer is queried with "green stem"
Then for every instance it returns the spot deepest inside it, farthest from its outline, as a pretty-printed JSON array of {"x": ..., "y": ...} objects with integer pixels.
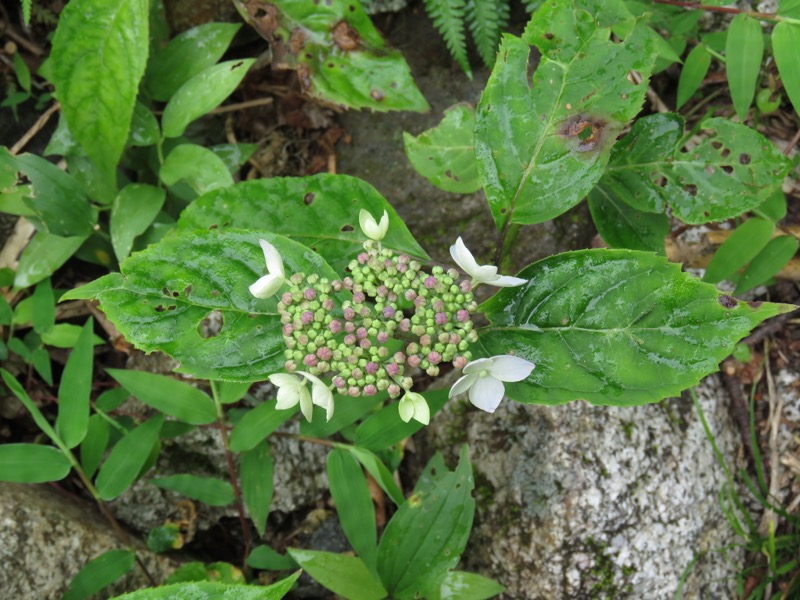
[
  {"x": 237, "y": 492},
  {"x": 725, "y": 9}
]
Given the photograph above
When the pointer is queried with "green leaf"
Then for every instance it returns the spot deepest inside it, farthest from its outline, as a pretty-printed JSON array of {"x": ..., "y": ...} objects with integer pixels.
[
  {"x": 445, "y": 155},
  {"x": 234, "y": 155},
  {"x": 57, "y": 199},
  {"x": 543, "y": 144},
  {"x": 789, "y": 8},
  {"x": 353, "y": 502},
  {"x": 144, "y": 127},
  {"x": 163, "y": 294},
  {"x": 65, "y": 335},
  {"x": 127, "y": 458},
  {"x": 41, "y": 422},
  {"x": 346, "y": 576},
  {"x": 133, "y": 211},
  {"x": 739, "y": 249},
  {"x": 769, "y": 261},
  {"x": 187, "y": 55},
  {"x": 693, "y": 73},
  {"x": 94, "y": 444},
  {"x": 256, "y": 474},
  {"x": 730, "y": 171},
  {"x": 31, "y": 463},
  {"x": 111, "y": 399},
  {"x": 743, "y": 53},
  {"x": 100, "y": 572},
  {"x": 207, "y": 590},
  {"x": 379, "y": 472},
  {"x": 22, "y": 72},
  {"x": 172, "y": 397},
  {"x": 385, "y": 428},
  {"x": 230, "y": 392},
  {"x": 209, "y": 490},
  {"x": 339, "y": 55},
  {"x": 6, "y": 313},
  {"x": 258, "y": 424},
  {"x": 264, "y": 557},
  {"x": 346, "y": 414},
  {"x": 44, "y": 312},
  {"x": 448, "y": 18},
  {"x": 197, "y": 166},
  {"x": 96, "y": 71},
  {"x": 202, "y": 93},
  {"x": 40, "y": 358},
  {"x": 567, "y": 319},
  {"x": 320, "y": 211},
  {"x": 76, "y": 388},
  {"x": 43, "y": 255},
  {"x": 164, "y": 538},
  {"x": 460, "y": 585},
  {"x": 785, "y": 41},
  {"x": 773, "y": 208},
  {"x": 622, "y": 226},
  {"x": 427, "y": 535}
]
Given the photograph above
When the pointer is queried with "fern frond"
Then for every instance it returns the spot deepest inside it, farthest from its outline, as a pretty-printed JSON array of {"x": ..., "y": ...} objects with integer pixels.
[
  {"x": 26, "y": 11},
  {"x": 448, "y": 18},
  {"x": 531, "y": 6},
  {"x": 486, "y": 19}
]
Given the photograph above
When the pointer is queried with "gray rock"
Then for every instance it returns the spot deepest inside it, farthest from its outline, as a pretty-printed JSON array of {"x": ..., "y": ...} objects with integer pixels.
[
  {"x": 578, "y": 501},
  {"x": 46, "y": 537}
]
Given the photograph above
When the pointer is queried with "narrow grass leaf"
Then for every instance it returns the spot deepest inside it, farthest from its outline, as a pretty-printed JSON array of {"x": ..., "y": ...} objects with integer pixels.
[
  {"x": 32, "y": 463},
  {"x": 379, "y": 472},
  {"x": 44, "y": 311},
  {"x": 76, "y": 388},
  {"x": 255, "y": 470},
  {"x": 209, "y": 490},
  {"x": 346, "y": 576},
  {"x": 785, "y": 42},
  {"x": 693, "y": 73},
  {"x": 94, "y": 444},
  {"x": 127, "y": 459},
  {"x": 740, "y": 248},
  {"x": 743, "y": 53},
  {"x": 769, "y": 261},
  {"x": 258, "y": 424},
  {"x": 99, "y": 573}
]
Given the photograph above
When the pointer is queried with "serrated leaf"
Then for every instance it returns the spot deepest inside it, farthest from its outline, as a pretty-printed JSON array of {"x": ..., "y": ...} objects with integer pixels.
[
  {"x": 202, "y": 93},
  {"x": 339, "y": 55},
  {"x": 133, "y": 211},
  {"x": 163, "y": 294},
  {"x": 127, "y": 459},
  {"x": 187, "y": 55},
  {"x": 76, "y": 388},
  {"x": 346, "y": 576},
  {"x": 199, "y": 167},
  {"x": 410, "y": 563},
  {"x": 209, "y": 490},
  {"x": 622, "y": 226},
  {"x": 96, "y": 71},
  {"x": 256, "y": 470},
  {"x": 445, "y": 155},
  {"x": 739, "y": 249},
  {"x": 32, "y": 463},
  {"x": 57, "y": 199},
  {"x": 320, "y": 211},
  {"x": 743, "y": 53},
  {"x": 614, "y": 327},
  {"x": 693, "y": 73},
  {"x": 785, "y": 41},
  {"x": 208, "y": 590},
  {"x": 100, "y": 572},
  {"x": 172, "y": 397},
  {"x": 543, "y": 144},
  {"x": 43, "y": 255},
  {"x": 460, "y": 585},
  {"x": 353, "y": 502},
  {"x": 257, "y": 424},
  {"x": 767, "y": 263},
  {"x": 730, "y": 171}
]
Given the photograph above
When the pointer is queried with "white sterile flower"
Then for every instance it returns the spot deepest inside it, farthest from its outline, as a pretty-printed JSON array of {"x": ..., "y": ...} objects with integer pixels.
[
  {"x": 267, "y": 285},
  {"x": 414, "y": 406},
  {"x": 320, "y": 394},
  {"x": 371, "y": 228},
  {"x": 480, "y": 273},
  {"x": 484, "y": 379},
  {"x": 291, "y": 391}
]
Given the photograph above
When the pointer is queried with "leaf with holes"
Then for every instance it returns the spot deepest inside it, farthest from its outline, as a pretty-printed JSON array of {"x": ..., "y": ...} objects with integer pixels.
[
  {"x": 164, "y": 294},
  {"x": 445, "y": 155},
  {"x": 732, "y": 169},
  {"x": 614, "y": 327},
  {"x": 543, "y": 143},
  {"x": 338, "y": 54},
  {"x": 319, "y": 211}
]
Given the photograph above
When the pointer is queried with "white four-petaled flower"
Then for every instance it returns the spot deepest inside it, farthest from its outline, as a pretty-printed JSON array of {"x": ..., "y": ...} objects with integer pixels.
[
  {"x": 267, "y": 285},
  {"x": 371, "y": 228},
  {"x": 414, "y": 406},
  {"x": 484, "y": 379},
  {"x": 480, "y": 273},
  {"x": 292, "y": 390}
]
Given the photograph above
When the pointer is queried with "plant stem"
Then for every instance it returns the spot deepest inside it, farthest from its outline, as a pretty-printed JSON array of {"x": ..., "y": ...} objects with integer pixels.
[
  {"x": 729, "y": 10},
  {"x": 237, "y": 492}
]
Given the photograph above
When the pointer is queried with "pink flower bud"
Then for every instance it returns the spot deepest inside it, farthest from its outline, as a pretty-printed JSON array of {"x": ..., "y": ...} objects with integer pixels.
[
  {"x": 414, "y": 360},
  {"x": 435, "y": 358},
  {"x": 310, "y": 360},
  {"x": 361, "y": 333},
  {"x": 286, "y": 298},
  {"x": 364, "y": 312},
  {"x": 392, "y": 369},
  {"x": 430, "y": 282},
  {"x": 339, "y": 382},
  {"x": 370, "y": 390},
  {"x": 419, "y": 301},
  {"x": 399, "y": 358},
  {"x": 324, "y": 353},
  {"x": 394, "y": 390},
  {"x": 337, "y": 286},
  {"x": 349, "y": 327},
  {"x": 309, "y": 293},
  {"x": 441, "y": 318},
  {"x": 327, "y": 304},
  {"x": 382, "y": 291},
  {"x": 288, "y": 329},
  {"x": 365, "y": 344},
  {"x": 350, "y": 339},
  {"x": 438, "y": 304},
  {"x": 363, "y": 258},
  {"x": 307, "y": 318},
  {"x": 462, "y": 316},
  {"x": 335, "y": 326},
  {"x": 459, "y": 362},
  {"x": 354, "y": 391},
  {"x": 405, "y": 325},
  {"x": 425, "y": 340},
  {"x": 358, "y": 298},
  {"x": 290, "y": 366},
  {"x": 349, "y": 313},
  {"x": 466, "y": 286},
  {"x": 372, "y": 367},
  {"x": 383, "y": 337},
  {"x": 389, "y": 312}
]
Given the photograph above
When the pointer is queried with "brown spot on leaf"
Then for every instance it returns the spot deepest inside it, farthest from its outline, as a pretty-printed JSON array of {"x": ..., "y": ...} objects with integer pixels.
[
  {"x": 308, "y": 199},
  {"x": 345, "y": 37},
  {"x": 754, "y": 303},
  {"x": 304, "y": 76},
  {"x": 376, "y": 95},
  {"x": 744, "y": 159},
  {"x": 264, "y": 16},
  {"x": 548, "y": 36},
  {"x": 347, "y": 228},
  {"x": 727, "y": 301},
  {"x": 587, "y": 131},
  {"x": 297, "y": 40}
]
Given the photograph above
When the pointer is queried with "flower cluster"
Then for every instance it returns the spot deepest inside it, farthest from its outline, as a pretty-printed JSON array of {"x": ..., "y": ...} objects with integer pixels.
[{"x": 367, "y": 332}]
